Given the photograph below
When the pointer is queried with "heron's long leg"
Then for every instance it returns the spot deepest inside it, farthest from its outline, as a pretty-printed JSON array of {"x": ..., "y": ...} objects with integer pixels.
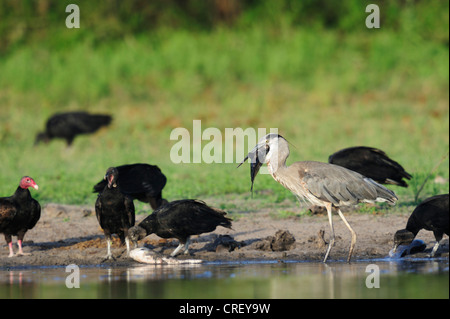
[
  {"x": 353, "y": 243},
  {"x": 330, "y": 220}
]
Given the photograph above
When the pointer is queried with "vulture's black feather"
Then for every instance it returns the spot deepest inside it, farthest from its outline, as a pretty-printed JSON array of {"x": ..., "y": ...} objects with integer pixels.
[
  {"x": 372, "y": 163},
  {"x": 143, "y": 182},
  {"x": 114, "y": 211}
]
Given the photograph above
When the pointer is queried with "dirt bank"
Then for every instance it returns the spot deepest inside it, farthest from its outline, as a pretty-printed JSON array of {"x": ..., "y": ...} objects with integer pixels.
[{"x": 70, "y": 234}]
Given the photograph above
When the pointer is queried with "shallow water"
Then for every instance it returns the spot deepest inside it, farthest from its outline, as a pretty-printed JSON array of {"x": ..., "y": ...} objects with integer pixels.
[{"x": 413, "y": 278}]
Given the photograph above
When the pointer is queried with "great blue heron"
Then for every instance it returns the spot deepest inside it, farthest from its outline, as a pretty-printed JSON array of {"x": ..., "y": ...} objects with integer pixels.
[
  {"x": 322, "y": 184},
  {"x": 371, "y": 162},
  {"x": 432, "y": 214}
]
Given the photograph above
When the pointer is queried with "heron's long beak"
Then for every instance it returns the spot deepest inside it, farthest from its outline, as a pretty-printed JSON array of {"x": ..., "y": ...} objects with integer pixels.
[
  {"x": 256, "y": 154},
  {"x": 257, "y": 158}
]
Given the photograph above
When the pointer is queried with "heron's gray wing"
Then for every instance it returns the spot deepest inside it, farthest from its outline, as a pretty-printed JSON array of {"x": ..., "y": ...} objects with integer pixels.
[{"x": 337, "y": 185}]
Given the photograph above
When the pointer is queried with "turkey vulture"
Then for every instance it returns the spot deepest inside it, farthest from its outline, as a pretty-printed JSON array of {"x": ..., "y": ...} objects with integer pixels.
[
  {"x": 180, "y": 219},
  {"x": 70, "y": 124},
  {"x": 19, "y": 213},
  {"x": 432, "y": 214},
  {"x": 143, "y": 182},
  {"x": 114, "y": 211},
  {"x": 372, "y": 163}
]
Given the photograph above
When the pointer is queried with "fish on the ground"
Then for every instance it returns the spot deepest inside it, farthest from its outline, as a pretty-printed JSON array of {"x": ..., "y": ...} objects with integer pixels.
[
  {"x": 147, "y": 256},
  {"x": 416, "y": 246}
]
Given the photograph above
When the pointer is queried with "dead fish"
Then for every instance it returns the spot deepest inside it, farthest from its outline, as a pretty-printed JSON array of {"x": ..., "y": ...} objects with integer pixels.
[
  {"x": 416, "y": 246},
  {"x": 257, "y": 159},
  {"x": 147, "y": 256}
]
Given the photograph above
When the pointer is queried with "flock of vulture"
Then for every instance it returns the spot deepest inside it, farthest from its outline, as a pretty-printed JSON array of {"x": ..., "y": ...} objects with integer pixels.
[{"x": 353, "y": 175}]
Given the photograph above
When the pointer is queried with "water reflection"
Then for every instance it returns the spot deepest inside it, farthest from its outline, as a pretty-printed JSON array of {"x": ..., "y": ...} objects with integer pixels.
[{"x": 398, "y": 279}]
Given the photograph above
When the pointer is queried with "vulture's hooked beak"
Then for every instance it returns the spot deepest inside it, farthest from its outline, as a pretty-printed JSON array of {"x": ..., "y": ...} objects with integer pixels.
[
  {"x": 111, "y": 181},
  {"x": 394, "y": 248}
]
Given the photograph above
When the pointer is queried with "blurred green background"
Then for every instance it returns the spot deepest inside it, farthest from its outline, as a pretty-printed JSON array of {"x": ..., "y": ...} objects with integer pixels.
[{"x": 310, "y": 68}]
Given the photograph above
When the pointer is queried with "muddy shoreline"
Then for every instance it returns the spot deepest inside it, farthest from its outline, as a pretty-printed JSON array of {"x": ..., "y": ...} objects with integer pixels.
[{"x": 68, "y": 234}]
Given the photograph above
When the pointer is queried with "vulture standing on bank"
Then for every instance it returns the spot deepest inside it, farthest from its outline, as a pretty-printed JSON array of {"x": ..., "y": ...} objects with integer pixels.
[
  {"x": 143, "y": 182},
  {"x": 19, "y": 213},
  {"x": 70, "y": 124},
  {"x": 114, "y": 211},
  {"x": 372, "y": 163},
  {"x": 180, "y": 219}
]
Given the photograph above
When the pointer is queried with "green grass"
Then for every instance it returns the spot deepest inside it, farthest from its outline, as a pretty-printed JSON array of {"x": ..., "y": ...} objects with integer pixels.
[{"x": 323, "y": 91}]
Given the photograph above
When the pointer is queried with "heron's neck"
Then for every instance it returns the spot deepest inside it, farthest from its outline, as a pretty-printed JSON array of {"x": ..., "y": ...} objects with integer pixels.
[{"x": 277, "y": 161}]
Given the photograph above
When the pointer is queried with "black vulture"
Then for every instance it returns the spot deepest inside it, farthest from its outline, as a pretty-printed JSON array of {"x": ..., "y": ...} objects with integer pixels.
[
  {"x": 180, "y": 219},
  {"x": 19, "y": 213},
  {"x": 372, "y": 163},
  {"x": 70, "y": 124},
  {"x": 143, "y": 182},
  {"x": 114, "y": 211},
  {"x": 432, "y": 214}
]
